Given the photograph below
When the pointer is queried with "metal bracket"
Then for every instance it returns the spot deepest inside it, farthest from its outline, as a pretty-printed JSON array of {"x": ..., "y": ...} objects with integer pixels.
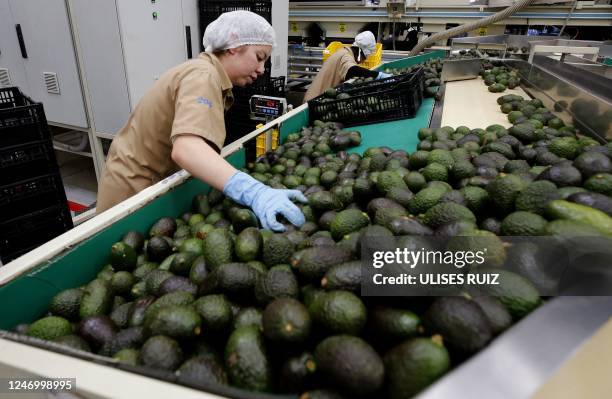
[{"x": 396, "y": 9}]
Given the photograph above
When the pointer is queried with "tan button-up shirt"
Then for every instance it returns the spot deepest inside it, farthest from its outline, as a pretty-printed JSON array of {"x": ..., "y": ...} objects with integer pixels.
[
  {"x": 332, "y": 73},
  {"x": 190, "y": 98}
]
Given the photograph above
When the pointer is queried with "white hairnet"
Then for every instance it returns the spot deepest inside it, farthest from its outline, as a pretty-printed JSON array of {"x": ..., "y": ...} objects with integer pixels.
[
  {"x": 237, "y": 28},
  {"x": 366, "y": 42}
]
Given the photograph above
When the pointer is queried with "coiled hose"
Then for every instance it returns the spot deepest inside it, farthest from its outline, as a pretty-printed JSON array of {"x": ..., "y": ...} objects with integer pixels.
[{"x": 505, "y": 13}]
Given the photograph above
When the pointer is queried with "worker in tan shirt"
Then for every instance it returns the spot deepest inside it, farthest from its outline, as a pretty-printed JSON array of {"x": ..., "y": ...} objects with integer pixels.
[
  {"x": 342, "y": 65},
  {"x": 179, "y": 123}
]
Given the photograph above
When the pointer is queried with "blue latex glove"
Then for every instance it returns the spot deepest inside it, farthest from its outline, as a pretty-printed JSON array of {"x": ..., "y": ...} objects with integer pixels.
[
  {"x": 382, "y": 75},
  {"x": 265, "y": 201}
]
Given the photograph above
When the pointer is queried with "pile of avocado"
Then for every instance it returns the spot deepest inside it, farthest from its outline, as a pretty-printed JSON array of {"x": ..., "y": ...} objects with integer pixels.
[
  {"x": 362, "y": 104},
  {"x": 213, "y": 299},
  {"x": 498, "y": 78},
  {"x": 432, "y": 71}
]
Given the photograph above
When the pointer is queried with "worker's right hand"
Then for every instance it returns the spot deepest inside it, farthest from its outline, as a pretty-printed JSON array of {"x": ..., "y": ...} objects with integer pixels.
[
  {"x": 265, "y": 201},
  {"x": 382, "y": 75}
]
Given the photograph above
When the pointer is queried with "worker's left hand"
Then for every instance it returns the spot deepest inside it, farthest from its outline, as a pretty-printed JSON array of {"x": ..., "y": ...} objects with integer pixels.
[
  {"x": 382, "y": 75},
  {"x": 266, "y": 201}
]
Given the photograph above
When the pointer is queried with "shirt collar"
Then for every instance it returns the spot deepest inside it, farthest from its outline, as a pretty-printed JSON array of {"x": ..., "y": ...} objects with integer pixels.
[{"x": 226, "y": 83}]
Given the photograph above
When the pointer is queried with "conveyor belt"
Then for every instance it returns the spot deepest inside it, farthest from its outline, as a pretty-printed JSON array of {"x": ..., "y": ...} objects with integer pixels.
[
  {"x": 469, "y": 103},
  {"x": 401, "y": 134}
]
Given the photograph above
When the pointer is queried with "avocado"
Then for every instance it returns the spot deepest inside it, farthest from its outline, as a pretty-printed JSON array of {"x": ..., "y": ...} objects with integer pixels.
[
  {"x": 154, "y": 280},
  {"x": 350, "y": 364},
  {"x": 163, "y": 227},
  {"x": 536, "y": 196},
  {"x": 158, "y": 249},
  {"x": 97, "y": 330},
  {"x": 594, "y": 200},
  {"x": 277, "y": 250},
  {"x": 122, "y": 314},
  {"x": 181, "y": 263},
  {"x": 590, "y": 163},
  {"x": 297, "y": 373},
  {"x": 523, "y": 223},
  {"x": 122, "y": 282},
  {"x": 134, "y": 239},
  {"x": 560, "y": 209},
  {"x": 139, "y": 309},
  {"x": 479, "y": 240},
  {"x": 122, "y": 256},
  {"x": 50, "y": 328},
  {"x": 286, "y": 321},
  {"x": 248, "y": 317},
  {"x": 129, "y": 338},
  {"x": 246, "y": 361},
  {"x": 425, "y": 199},
  {"x": 504, "y": 190},
  {"x": 314, "y": 262},
  {"x": 277, "y": 282},
  {"x": 344, "y": 276},
  {"x": 339, "y": 312},
  {"x": 215, "y": 311},
  {"x": 600, "y": 183},
  {"x": 498, "y": 316},
  {"x": 218, "y": 248},
  {"x": 322, "y": 201},
  {"x": 191, "y": 245},
  {"x": 243, "y": 218},
  {"x": 97, "y": 299},
  {"x": 248, "y": 244},
  {"x": 200, "y": 204},
  {"x": 144, "y": 269},
  {"x": 201, "y": 371},
  {"x": 460, "y": 321},
  {"x": 562, "y": 175},
  {"x": 570, "y": 228},
  {"x": 476, "y": 198},
  {"x": 174, "y": 321},
  {"x": 199, "y": 270},
  {"x": 348, "y": 221},
  {"x": 435, "y": 172},
  {"x": 161, "y": 352},
  {"x": 74, "y": 342},
  {"x": 408, "y": 225},
  {"x": 237, "y": 280},
  {"x": 67, "y": 303},
  {"x": 388, "y": 325},
  {"x": 516, "y": 293},
  {"x": 447, "y": 212},
  {"x": 177, "y": 283}
]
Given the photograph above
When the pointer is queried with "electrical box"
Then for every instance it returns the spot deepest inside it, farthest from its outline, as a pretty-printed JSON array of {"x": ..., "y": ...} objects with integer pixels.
[{"x": 126, "y": 45}]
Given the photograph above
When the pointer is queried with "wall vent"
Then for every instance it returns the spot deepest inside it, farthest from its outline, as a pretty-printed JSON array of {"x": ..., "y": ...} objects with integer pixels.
[
  {"x": 51, "y": 82},
  {"x": 5, "y": 78}
]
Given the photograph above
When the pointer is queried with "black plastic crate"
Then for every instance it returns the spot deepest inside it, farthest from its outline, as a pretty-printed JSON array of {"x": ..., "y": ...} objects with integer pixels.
[
  {"x": 22, "y": 234},
  {"x": 27, "y": 161},
  {"x": 389, "y": 99},
  {"x": 264, "y": 85},
  {"x": 26, "y": 196},
  {"x": 21, "y": 119}
]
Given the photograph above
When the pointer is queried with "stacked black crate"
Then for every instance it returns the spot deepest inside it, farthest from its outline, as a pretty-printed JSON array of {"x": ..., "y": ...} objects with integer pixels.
[{"x": 33, "y": 206}]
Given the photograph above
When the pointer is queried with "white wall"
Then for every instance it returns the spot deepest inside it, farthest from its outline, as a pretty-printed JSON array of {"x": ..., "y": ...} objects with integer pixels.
[{"x": 280, "y": 18}]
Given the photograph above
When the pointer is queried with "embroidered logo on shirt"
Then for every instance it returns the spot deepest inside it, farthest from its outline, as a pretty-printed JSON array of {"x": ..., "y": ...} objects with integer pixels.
[{"x": 204, "y": 101}]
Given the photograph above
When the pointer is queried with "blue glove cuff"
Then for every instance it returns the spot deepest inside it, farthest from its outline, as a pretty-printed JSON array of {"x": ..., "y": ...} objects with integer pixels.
[{"x": 243, "y": 189}]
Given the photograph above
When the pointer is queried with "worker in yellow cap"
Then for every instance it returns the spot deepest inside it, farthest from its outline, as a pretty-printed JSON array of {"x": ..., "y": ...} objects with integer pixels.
[
  {"x": 179, "y": 123},
  {"x": 342, "y": 65}
]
